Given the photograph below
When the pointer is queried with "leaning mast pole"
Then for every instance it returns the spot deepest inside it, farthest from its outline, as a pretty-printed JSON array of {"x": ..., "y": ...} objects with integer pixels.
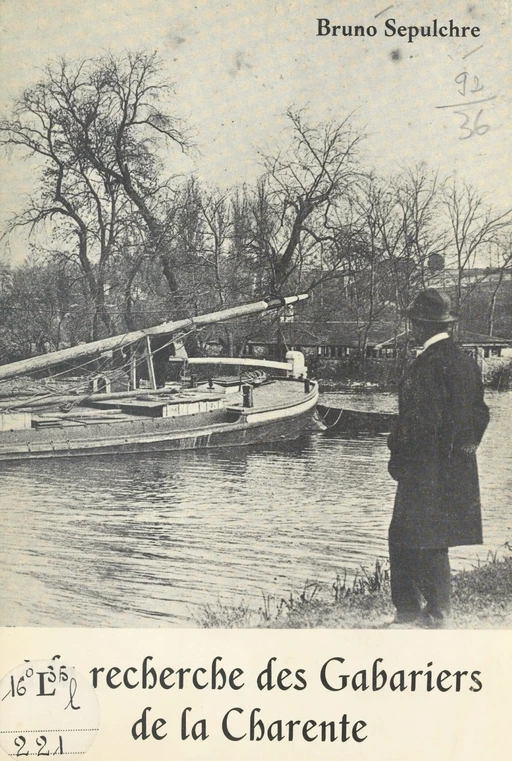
[{"x": 116, "y": 342}]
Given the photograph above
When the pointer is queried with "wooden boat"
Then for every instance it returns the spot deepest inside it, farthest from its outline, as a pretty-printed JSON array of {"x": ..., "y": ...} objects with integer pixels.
[
  {"x": 343, "y": 420},
  {"x": 259, "y": 408}
]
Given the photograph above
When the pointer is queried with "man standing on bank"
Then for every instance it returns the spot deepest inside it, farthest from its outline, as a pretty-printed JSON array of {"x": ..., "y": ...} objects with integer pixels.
[{"x": 442, "y": 418}]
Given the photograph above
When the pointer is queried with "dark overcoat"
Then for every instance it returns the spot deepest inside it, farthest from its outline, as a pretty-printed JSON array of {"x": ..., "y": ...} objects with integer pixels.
[{"x": 442, "y": 418}]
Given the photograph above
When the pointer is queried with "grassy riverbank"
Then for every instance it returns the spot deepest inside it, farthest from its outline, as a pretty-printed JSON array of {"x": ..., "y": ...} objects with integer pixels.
[
  {"x": 482, "y": 599},
  {"x": 384, "y": 374}
]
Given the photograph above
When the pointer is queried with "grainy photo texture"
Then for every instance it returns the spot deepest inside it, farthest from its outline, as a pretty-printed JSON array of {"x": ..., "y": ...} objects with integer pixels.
[{"x": 256, "y": 315}]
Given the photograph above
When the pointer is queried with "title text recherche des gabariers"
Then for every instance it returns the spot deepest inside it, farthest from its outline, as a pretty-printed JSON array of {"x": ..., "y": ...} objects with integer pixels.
[{"x": 334, "y": 675}]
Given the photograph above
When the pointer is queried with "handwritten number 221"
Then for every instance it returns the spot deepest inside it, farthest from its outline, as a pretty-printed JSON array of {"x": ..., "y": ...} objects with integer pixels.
[
  {"x": 41, "y": 743},
  {"x": 472, "y": 126}
]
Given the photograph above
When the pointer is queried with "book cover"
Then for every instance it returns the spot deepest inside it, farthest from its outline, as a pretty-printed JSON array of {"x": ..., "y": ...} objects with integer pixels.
[{"x": 197, "y": 594}]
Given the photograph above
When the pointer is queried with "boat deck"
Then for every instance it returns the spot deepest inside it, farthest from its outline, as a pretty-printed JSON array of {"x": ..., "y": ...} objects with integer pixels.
[{"x": 278, "y": 393}]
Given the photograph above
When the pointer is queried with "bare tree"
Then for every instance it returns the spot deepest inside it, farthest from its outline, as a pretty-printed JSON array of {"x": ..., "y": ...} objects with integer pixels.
[
  {"x": 39, "y": 308},
  {"x": 95, "y": 128},
  {"x": 395, "y": 232},
  {"x": 474, "y": 229},
  {"x": 293, "y": 202},
  {"x": 500, "y": 266}
]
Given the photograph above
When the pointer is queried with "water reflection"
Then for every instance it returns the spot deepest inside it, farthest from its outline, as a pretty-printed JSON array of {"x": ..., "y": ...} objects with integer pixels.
[{"x": 145, "y": 540}]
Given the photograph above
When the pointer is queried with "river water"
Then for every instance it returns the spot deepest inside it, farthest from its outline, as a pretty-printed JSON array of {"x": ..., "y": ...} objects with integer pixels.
[{"x": 149, "y": 540}]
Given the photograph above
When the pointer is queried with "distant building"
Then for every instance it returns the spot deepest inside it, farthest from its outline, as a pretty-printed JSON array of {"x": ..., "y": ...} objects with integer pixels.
[
  {"x": 449, "y": 278},
  {"x": 479, "y": 345},
  {"x": 346, "y": 340},
  {"x": 331, "y": 340}
]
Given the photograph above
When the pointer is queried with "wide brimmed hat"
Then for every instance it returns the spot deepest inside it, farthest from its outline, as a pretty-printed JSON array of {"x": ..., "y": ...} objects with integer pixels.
[{"x": 431, "y": 305}]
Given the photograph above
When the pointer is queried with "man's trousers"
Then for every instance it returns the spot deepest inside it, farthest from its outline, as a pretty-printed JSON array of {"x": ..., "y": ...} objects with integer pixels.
[{"x": 416, "y": 575}]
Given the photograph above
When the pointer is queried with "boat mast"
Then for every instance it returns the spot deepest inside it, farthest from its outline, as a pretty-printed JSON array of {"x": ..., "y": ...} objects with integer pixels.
[{"x": 116, "y": 342}]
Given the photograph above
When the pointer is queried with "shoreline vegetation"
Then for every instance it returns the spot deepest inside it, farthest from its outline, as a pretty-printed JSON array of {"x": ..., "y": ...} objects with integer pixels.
[
  {"x": 481, "y": 599},
  {"x": 384, "y": 376}
]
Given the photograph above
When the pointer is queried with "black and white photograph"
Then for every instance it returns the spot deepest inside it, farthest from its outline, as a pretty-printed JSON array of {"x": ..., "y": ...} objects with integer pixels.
[
  {"x": 255, "y": 354},
  {"x": 255, "y": 268},
  {"x": 255, "y": 380}
]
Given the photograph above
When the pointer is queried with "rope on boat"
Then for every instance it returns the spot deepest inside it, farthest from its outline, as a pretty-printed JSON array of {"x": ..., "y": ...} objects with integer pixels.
[
  {"x": 324, "y": 418},
  {"x": 48, "y": 393}
]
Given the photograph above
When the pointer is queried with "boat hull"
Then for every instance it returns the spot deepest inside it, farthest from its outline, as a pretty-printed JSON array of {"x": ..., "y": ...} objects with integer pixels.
[
  {"x": 341, "y": 420},
  {"x": 262, "y": 423}
]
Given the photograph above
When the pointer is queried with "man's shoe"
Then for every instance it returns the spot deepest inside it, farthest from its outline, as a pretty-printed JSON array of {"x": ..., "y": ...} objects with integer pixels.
[
  {"x": 429, "y": 621},
  {"x": 401, "y": 625},
  {"x": 403, "y": 621}
]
